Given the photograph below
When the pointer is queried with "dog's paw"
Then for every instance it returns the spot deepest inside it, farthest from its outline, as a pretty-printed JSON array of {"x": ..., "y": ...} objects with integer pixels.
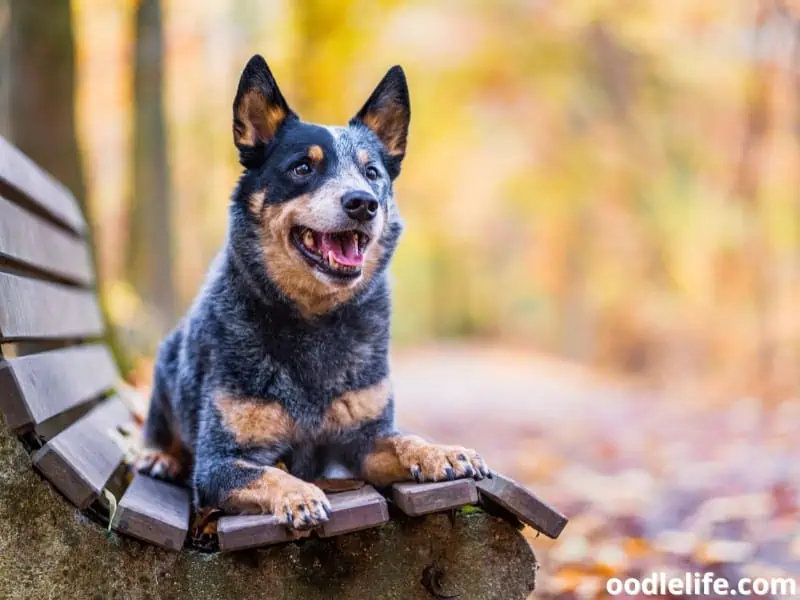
[
  {"x": 301, "y": 505},
  {"x": 434, "y": 462},
  {"x": 159, "y": 465}
]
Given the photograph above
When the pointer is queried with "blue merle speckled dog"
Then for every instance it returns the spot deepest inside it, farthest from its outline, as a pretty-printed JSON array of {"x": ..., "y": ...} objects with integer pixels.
[{"x": 283, "y": 359}]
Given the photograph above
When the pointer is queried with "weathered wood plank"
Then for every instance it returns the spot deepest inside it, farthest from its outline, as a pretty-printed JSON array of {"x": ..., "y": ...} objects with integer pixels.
[
  {"x": 355, "y": 510},
  {"x": 523, "y": 504},
  {"x": 38, "y": 387},
  {"x": 239, "y": 532},
  {"x": 350, "y": 511},
  {"x": 32, "y": 309},
  {"x": 416, "y": 499},
  {"x": 81, "y": 459},
  {"x": 21, "y": 174},
  {"x": 29, "y": 240},
  {"x": 154, "y": 511}
]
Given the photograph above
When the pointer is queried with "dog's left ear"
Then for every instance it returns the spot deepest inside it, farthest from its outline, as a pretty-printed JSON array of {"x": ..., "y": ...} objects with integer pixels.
[
  {"x": 259, "y": 111},
  {"x": 387, "y": 113}
]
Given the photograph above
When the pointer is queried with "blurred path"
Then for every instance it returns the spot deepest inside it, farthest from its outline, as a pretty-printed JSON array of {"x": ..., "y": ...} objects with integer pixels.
[
  {"x": 494, "y": 398},
  {"x": 502, "y": 385},
  {"x": 649, "y": 483}
]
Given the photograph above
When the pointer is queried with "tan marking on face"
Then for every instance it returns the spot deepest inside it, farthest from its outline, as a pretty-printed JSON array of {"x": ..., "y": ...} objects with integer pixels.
[
  {"x": 363, "y": 157},
  {"x": 316, "y": 154},
  {"x": 290, "y": 271},
  {"x": 256, "y": 201},
  {"x": 259, "y": 121},
  {"x": 357, "y": 407},
  {"x": 389, "y": 125},
  {"x": 254, "y": 421}
]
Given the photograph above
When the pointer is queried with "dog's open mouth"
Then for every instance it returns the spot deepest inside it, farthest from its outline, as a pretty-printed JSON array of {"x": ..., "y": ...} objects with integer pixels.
[{"x": 338, "y": 253}]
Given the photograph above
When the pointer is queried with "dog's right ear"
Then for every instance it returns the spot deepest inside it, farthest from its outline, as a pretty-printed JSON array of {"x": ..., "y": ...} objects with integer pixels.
[{"x": 259, "y": 110}]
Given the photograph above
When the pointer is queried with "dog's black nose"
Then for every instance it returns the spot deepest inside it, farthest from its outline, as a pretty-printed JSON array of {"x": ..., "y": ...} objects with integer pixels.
[{"x": 360, "y": 206}]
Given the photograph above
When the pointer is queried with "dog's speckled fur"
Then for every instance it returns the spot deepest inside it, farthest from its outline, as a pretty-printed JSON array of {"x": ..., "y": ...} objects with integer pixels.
[{"x": 277, "y": 363}]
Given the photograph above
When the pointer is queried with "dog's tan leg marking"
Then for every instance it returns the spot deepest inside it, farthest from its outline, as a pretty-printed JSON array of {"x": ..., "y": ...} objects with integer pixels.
[
  {"x": 159, "y": 464},
  {"x": 352, "y": 409},
  {"x": 169, "y": 464},
  {"x": 408, "y": 457},
  {"x": 294, "y": 502},
  {"x": 253, "y": 421}
]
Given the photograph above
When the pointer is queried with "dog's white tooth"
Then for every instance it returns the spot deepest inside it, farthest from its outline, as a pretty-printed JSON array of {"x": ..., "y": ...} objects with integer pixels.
[
  {"x": 331, "y": 260},
  {"x": 308, "y": 239}
]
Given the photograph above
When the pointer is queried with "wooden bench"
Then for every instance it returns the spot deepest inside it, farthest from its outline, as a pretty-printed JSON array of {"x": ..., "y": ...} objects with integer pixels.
[{"x": 60, "y": 394}]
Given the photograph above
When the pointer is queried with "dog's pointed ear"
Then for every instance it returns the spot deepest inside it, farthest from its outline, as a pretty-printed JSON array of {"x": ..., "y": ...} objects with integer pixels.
[
  {"x": 387, "y": 113},
  {"x": 259, "y": 111}
]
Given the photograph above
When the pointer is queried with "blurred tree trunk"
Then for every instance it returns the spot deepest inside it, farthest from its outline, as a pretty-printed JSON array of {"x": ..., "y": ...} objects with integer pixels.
[
  {"x": 791, "y": 356},
  {"x": 756, "y": 258},
  {"x": 578, "y": 330},
  {"x": 5, "y": 68},
  {"x": 149, "y": 255},
  {"x": 42, "y": 89},
  {"x": 37, "y": 98}
]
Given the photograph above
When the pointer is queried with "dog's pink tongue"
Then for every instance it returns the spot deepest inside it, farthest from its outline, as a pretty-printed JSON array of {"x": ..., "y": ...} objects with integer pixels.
[{"x": 344, "y": 247}]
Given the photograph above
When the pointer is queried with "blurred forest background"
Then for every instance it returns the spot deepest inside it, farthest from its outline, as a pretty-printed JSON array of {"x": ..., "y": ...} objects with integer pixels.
[
  {"x": 592, "y": 186},
  {"x": 611, "y": 181}
]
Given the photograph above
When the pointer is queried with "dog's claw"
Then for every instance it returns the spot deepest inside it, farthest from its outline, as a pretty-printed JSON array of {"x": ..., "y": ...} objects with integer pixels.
[{"x": 433, "y": 462}]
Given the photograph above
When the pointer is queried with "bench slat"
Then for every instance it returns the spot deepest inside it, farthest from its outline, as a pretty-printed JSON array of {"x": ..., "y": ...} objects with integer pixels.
[
  {"x": 354, "y": 511},
  {"x": 154, "y": 511},
  {"x": 37, "y": 387},
  {"x": 31, "y": 241},
  {"x": 522, "y": 503},
  {"x": 239, "y": 532},
  {"x": 351, "y": 511},
  {"x": 416, "y": 499},
  {"x": 81, "y": 459},
  {"x": 19, "y": 173},
  {"x": 36, "y": 310}
]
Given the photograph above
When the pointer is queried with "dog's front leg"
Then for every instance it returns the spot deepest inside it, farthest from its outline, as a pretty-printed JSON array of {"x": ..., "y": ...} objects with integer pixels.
[
  {"x": 239, "y": 486},
  {"x": 241, "y": 440},
  {"x": 404, "y": 457}
]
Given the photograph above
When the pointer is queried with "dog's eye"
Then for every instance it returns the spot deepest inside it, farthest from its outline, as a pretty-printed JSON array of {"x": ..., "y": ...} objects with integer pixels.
[
  {"x": 372, "y": 173},
  {"x": 302, "y": 169}
]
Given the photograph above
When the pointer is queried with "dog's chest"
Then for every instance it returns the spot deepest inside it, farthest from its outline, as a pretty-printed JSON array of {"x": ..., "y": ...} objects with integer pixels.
[{"x": 329, "y": 362}]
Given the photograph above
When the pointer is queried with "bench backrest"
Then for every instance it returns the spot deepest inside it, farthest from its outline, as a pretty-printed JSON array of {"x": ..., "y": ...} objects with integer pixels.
[
  {"x": 48, "y": 306},
  {"x": 57, "y": 377}
]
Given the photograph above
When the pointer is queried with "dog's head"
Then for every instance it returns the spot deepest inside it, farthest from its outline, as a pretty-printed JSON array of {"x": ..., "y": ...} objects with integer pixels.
[{"x": 318, "y": 200}]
